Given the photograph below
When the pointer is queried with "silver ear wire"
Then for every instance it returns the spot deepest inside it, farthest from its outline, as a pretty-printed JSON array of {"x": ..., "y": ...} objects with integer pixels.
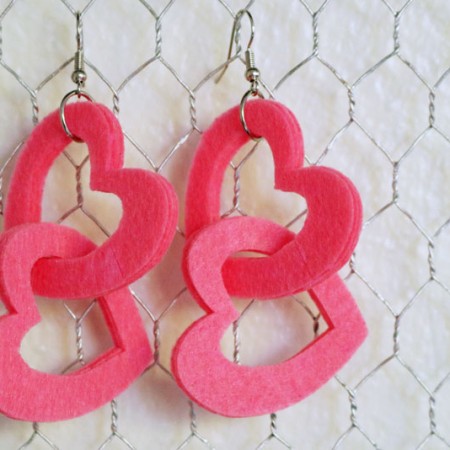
[
  {"x": 79, "y": 77},
  {"x": 251, "y": 73},
  {"x": 234, "y": 36}
]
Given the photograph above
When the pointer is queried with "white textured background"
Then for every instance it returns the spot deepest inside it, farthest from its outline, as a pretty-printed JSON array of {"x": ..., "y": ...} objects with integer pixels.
[{"x": 394, "y": 394}]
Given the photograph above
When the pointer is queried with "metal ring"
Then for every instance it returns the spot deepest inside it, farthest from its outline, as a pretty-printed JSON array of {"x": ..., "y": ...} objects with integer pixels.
[
  {"x": 79, "y": 93},
  {"x": 253, "y": 93}
]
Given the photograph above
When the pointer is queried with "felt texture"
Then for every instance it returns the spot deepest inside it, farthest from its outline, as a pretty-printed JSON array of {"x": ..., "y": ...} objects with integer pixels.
[
  {"x": 149, "y": 205},
  {"x": 224, "y": 387},
  {"x": 29, "y": 394},
  {"x": 334, "y": 219}
]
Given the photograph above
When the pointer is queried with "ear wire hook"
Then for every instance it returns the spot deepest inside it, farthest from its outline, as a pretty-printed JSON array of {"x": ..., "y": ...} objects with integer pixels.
[
  {"x": 251, "y": 73},
  {"x": 234, "y": 37},
  {"x": 79, "y": 77}
]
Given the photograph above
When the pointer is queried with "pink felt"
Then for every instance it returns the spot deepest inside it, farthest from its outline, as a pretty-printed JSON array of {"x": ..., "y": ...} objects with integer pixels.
[
  {"x": 148, "y": 200},
  {"x": 334, "y": 218},
  {"x": 29, "y": 394},
  {"x": 223, "y": 387}
]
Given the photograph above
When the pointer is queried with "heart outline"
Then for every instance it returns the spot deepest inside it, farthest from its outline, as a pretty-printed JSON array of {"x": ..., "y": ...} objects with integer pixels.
[
  {"x": 147, "y": 198},
  {"x": 240, "y": 391},
  {"x": 298, "y": 265},
  {"x": 32, "y": 395}
]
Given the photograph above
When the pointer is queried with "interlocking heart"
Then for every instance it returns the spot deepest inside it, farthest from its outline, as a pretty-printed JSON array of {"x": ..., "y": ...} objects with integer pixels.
[
  {"x": 28, "y": 394},
  {"x": 332, "y": 227},
  {"x": 240, "y": 391},
  {"x": 148, "y": 202},
  {"x": 55, "y": 261},
  {"x": 306, "y": 261}
]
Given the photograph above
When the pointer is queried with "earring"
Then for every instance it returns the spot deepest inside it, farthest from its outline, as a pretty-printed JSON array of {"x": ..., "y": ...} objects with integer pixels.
[
  {"x": 308, "y": 261},
  {"x": 55, "y": 261}
]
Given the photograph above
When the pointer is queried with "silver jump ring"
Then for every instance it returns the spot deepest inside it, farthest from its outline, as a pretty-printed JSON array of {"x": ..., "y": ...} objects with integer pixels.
[
  {"x": 253, "y": 93},
  {"x": 78, "y": 93}
]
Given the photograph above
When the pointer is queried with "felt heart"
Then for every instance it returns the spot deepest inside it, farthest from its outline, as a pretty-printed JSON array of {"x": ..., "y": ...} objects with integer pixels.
[
  {"x": 334, "y": 218},
  {"x": 223, "y": 387},
  {"x": 149, "y": 205},
  {"x": 29, "y": 394}
]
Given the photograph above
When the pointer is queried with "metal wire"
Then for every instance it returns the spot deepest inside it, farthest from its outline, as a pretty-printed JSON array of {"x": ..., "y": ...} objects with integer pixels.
[{"x": 192, "y": 433}]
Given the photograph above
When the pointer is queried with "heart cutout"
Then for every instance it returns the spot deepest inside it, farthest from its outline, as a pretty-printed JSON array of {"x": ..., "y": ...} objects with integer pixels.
[
  {"x": 32, "y": 395},
  {"x": 223, "y": 387},
  {"x": 149, "y": 205},
  {"x": 334, "y": 219}
]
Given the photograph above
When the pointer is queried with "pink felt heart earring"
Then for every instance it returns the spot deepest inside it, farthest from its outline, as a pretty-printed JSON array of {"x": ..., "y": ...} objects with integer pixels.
[
  {"x": 57, "y": 262},
  {"x": 293, "y": 262}
]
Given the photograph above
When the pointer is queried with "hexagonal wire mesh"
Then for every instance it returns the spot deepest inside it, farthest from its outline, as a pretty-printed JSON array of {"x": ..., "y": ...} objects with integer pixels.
[{"x": 369, "y": 83}]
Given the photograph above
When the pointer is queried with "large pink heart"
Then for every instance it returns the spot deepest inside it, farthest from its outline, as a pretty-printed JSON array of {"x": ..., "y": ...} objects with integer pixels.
[
  {"x": 28, "y": 394},
  {"x": 149, "y": 205},
  {"x": 334, "y": 216},
  {"x": 223, "y": 387}
]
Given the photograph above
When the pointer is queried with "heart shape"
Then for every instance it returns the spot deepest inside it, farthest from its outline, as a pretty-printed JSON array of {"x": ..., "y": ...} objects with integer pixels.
[
  {"x": 28, "y": 394},
  {"x": 149, "y": 205},
  {"x": 223, "y": 387},
  {"x": 334, "y": 219}
]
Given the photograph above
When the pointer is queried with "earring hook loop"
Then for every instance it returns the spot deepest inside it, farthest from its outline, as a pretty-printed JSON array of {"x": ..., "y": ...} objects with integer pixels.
[
  {"x": 78, "y": 93},
  {"x": 244, "y": 99}
]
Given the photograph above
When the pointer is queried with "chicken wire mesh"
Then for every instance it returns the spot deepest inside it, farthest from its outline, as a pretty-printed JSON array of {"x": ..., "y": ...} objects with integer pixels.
[{"x": 369, "y": 84}]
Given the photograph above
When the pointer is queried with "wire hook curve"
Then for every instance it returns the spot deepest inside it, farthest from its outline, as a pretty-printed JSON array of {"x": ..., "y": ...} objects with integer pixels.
[{"x": 236, "y": 23}]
